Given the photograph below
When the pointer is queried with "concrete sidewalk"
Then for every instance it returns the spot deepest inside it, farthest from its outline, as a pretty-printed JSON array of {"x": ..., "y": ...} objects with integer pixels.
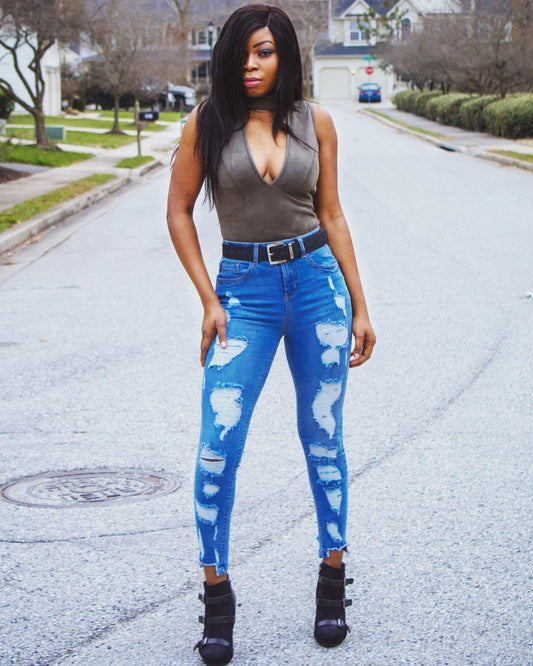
[
  {"x": 452, "y": 138},
  {"x": 157, "y": 144}
]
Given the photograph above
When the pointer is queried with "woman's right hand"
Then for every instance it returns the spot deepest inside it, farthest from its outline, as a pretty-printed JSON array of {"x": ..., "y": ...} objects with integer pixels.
[
  {"x": 185, "y": 185},
  {"x": 213, "y": 324}
]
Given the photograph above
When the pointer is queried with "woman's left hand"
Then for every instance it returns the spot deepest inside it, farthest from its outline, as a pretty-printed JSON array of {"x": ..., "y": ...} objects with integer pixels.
[{"x": 364, "y": 341}]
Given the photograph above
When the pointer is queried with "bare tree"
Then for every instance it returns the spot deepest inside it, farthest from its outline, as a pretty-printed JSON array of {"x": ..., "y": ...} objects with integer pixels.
[
  {"x": 36, "y": 25},
  {"x": 72, "y": 84},
  {"x": 475, "y": 51},
  {"x": 415, "y": 60},
  {"x": 310, "y": 20},
  {"x": 522, "y": 31},
  {"x": 484, "y": 60},
  {"x": 180, "y": 36},
  {"x": 121, "y": 32}
]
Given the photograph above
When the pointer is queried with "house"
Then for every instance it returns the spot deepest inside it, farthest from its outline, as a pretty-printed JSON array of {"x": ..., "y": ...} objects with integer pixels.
[
  {"x": 205, "y": 19},
  {"x": 341, "y": 64},
  {"x": 51, "y": 72}
]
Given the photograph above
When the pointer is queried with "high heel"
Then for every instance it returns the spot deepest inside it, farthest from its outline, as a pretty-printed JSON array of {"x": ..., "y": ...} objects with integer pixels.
[
  {"x": 216, "y": 646},
  {"x": 330, "y": 620}
]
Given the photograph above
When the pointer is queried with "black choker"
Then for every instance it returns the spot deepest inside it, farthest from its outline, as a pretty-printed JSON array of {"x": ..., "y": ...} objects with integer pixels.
[{"x": 264, "y": 103}]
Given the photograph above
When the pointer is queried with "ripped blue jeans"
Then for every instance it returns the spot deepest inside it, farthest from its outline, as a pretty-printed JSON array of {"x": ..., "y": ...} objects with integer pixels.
[{"x": 306, "y": 302}]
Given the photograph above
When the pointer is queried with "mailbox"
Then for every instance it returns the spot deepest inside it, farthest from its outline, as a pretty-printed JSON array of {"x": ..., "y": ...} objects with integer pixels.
[{"x": 151, "y": 116}]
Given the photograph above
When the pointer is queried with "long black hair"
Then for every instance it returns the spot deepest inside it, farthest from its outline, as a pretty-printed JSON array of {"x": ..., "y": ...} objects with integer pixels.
[{"x": 225, "y": 110}]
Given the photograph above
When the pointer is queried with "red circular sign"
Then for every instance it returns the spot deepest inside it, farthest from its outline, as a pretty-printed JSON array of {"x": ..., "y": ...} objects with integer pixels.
[{"x": 369, "y": 70}]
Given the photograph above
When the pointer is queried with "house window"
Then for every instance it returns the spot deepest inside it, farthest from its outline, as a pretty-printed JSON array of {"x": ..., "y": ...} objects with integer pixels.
[
  {"x": 356, "y": 33},
  {"x": 405, "y": 28}
]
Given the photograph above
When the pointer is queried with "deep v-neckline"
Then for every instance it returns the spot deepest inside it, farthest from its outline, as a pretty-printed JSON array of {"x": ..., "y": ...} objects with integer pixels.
[{"x": 254, "y": 165}]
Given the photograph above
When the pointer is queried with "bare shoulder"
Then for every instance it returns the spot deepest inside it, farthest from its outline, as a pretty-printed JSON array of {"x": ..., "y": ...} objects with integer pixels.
[
  {"x": 191, "y": 127},
  {"x": 186, "y": 162},
  {"x": 325, "y": 129}
]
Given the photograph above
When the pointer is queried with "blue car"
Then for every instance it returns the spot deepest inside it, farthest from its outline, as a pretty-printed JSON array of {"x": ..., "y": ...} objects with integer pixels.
[{"x": 370, "y": 92}]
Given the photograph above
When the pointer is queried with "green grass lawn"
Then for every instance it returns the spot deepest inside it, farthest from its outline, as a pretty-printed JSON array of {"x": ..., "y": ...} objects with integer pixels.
[
  {"x": 98, "y": 140},
  {"x": 134, "y": 162},
  {"x": 91, "y": 123},
  {"x": 525, "y": 157},
  {"x": 78, "y": 138},
  {"x": 151, "y": 127},
  {"x": 31, "y": 207},
  {"x": 40, "y": 157},
  {"x": 165, "y": 116},
  {"x": 20, "y": 132}
]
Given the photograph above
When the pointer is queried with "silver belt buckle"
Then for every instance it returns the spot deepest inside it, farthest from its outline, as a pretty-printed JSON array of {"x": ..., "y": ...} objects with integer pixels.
[{"x": 273, "y": 262}]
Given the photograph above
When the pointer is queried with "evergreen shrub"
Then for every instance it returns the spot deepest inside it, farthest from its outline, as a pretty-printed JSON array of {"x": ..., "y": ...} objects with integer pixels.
[
  {"x": 471, "y": 112},
  {"x": 511, "y": 117},
  {"x": 406, "y": 100},
  {"x": 423, "y": 99},
  {"x": 6, "y": 106},
  {"x": 446, "y": 108}
]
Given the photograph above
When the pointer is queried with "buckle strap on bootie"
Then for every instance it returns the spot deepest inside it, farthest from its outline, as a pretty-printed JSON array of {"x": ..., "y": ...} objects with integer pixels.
[
  {"x": 330, "y": 621},
  {"x": 216, "y": 645},
  {"x": 331, "y": 582},
  {"x": 333, "y": 603}
]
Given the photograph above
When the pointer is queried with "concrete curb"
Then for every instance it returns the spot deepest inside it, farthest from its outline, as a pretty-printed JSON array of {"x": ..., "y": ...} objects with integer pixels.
[
  {"x": 493, "y": 157},
  {"x": 143, "y": 170},
  {"x": 502, "y": 159},
  {"x": 406, "y": 130},
  {"x": 20, "y": 233}
]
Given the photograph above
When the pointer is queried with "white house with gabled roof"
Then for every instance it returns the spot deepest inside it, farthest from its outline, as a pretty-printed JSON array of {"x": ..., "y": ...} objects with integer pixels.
[
  {"x": 51, "y": 68},
  {"x": 340, "y": 64}
]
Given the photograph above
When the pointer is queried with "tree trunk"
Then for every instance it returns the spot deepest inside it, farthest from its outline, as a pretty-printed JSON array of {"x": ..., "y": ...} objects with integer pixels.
[
  {"x": 116, "y": 126},
  {"x": 307, "y": 81},
  {"x": 40, "y": 131}
]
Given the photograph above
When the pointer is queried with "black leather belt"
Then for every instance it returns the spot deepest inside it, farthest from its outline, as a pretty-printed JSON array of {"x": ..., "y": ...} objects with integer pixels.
[{"x": 276, "y": 253}]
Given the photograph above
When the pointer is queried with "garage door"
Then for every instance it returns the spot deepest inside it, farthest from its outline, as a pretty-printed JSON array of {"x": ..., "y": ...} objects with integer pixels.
[{"x": 334, "y": 83}]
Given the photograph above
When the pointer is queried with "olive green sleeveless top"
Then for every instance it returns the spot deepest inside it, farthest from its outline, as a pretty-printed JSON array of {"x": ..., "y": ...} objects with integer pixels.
[{"x": 252, "y": 210}]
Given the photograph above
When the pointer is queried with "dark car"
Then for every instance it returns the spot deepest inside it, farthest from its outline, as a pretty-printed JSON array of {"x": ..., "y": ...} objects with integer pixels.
[
  {"x": 177, "y": 98},
  {"x": 370, "y": 92}
]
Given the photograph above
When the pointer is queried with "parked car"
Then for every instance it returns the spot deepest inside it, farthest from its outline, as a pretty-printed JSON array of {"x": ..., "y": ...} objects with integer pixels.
[
  {"x": 370, "y": 92},
  {"x": 177, "y": 98}
]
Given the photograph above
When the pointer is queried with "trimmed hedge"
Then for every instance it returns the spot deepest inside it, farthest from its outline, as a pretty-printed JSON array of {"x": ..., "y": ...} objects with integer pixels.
[
  {"x": 446, "y": 108},
  {"x": 420, "y": 106},
  {"x": 511, "y": 117},
  {"x": 471, "y": 113},
  {"x": 406, "y": 100}
]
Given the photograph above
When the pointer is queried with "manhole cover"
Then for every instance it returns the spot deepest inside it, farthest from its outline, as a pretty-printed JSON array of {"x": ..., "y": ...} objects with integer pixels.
[{"x": 87, "y": 487}]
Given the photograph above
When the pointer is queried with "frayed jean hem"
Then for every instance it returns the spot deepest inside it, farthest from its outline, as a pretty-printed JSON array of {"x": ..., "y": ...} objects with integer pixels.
[{"x": 219, "y": 569}]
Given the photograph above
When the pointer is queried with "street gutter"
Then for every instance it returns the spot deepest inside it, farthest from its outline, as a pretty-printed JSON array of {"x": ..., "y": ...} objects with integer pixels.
[
  {"x": 474, "y": 152},
  {"x": 25, "y": 231}
]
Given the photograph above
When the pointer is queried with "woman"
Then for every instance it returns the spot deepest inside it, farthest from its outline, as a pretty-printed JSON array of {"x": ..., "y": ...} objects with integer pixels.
[{"x": 268, "y": 161}]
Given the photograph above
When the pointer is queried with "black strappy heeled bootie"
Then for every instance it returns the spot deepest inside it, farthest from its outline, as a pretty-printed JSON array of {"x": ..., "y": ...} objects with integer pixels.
[
  {"x": 330, "y": 619},
  {"x": 216, "y": 646}
]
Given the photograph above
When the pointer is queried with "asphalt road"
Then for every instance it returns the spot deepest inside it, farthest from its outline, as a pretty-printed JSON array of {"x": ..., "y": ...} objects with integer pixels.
[{"x": 99, "y": 347}]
